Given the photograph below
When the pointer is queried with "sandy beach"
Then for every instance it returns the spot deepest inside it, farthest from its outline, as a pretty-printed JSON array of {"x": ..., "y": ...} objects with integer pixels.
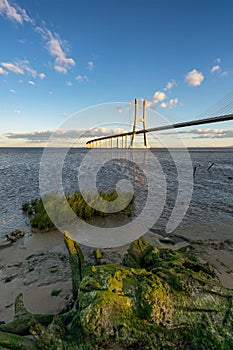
[{"x": 37, "y": 265}]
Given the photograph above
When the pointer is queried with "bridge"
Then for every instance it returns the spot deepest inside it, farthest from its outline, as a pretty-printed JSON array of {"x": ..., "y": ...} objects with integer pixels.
[{"x": 126, "y": 140}]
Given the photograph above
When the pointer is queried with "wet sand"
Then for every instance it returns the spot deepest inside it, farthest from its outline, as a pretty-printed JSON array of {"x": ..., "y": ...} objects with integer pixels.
[
  {"x": 38, "y": 264},
  {"x": 35, "y": 265}
]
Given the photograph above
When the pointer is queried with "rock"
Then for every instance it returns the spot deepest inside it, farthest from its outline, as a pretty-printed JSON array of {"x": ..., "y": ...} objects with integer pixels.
[
  {"x": 160, "y": 303},
  {"x": 158, "y": 299},
  {"x": 136, "y": 253},
  {"x": 11, "y": 238},
  {"x": 122, "y": 302},
  {"x": 15, "y": 235},
  {"x": 166, "y": 240},
  {"x": 5, "y": 243}
]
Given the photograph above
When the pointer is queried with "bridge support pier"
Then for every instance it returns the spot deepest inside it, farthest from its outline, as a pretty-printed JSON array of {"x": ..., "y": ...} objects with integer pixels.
[{"x": 141, "y": 120}]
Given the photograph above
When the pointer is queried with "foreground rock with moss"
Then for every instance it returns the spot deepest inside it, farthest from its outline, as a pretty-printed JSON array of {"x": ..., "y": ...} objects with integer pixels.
[{"x": 156, "y": 299}]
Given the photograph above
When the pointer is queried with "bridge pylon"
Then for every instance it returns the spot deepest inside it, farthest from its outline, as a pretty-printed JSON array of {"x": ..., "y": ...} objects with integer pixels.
[{"x": 137, "y": 120}]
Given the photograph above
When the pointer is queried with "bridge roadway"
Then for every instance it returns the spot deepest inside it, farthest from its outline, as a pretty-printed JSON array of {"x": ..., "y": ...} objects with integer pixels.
[{"x": 227, "y": 117}]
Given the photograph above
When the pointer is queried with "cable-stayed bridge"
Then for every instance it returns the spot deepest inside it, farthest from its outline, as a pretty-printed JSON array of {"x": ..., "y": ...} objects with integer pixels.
[{"x": 127, "y": 139}]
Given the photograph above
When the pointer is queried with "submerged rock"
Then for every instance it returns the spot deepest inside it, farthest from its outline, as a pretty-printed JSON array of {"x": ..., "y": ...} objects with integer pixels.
[
  {"x": 4, "y": 243},
  {"x": 167, "y": 240},
  {"x": 15, "y": 235},
  {"x": 156, "y": 299},
  {"x": 11, "y": 238}
]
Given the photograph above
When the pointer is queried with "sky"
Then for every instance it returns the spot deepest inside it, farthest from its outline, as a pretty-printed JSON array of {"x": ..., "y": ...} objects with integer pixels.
[{"x": 58, "y": 58}]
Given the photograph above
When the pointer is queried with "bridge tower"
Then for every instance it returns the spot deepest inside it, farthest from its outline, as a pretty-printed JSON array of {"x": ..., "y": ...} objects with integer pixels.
[{"x": 139, "y": 120}]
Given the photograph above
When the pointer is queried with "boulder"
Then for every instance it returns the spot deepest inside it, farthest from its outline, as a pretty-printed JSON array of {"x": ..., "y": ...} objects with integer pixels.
[
  {"x": 167, "y": 299},
  {"x": 156, "y": 299}
]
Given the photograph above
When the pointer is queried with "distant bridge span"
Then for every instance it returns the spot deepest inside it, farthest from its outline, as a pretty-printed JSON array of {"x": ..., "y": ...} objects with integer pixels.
[{"x": 99, "y": 142}]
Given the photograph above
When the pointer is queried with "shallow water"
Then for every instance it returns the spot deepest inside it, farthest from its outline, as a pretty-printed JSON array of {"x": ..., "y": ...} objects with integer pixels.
[{"x": 212, "y": 198}]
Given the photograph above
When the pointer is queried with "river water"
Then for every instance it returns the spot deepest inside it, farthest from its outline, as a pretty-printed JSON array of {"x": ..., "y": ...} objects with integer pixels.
[{"x": 211, "y": 205}]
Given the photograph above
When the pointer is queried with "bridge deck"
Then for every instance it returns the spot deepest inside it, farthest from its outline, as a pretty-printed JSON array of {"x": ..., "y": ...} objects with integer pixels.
[{"x": 167, "y": 127}]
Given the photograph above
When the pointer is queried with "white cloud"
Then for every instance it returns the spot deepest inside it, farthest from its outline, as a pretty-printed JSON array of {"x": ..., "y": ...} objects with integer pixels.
[
  {"x": 65, "y": 114},
  {"x": 12, "y": 67},
  {"x": 218, "y": 60},
  {"x": 69, "y": 83},
  {"x": 173, "y": 102},
  {"x": 55, "y": 47},
  {"x": 14, "y": 13},
  {"x": 81, "y": 78},
  {"x": 194, "y": 78},
  {"x": 41, "y": 76},
  {"x": 90, "y": 65},
  {"x": 215, "y": 68},
  {"x": 12, "y": 91},
  {"x": 25, "y": 66},
  {"x": 170, "y": 104},
  {"x": 159, "y": 96},
  {"x": 53, "y": 42},
  {"x": 18, "y": 111},
  {"x": 31, "y": 82},
  {"x": 50, "y": 92},
  {"x": 225, "y": 73},
  {"x": 209, "y": 133},
  {"x": 20, "y": 67},
  {"x": 170, "y": 85},
  {"x": 3, "y": 72},
  {"x": 60, "y": 69},
  {"x": 31, "y": 72}
]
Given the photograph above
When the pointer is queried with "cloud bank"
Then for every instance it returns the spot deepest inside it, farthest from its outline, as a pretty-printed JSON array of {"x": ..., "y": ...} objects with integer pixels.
[
  {"x": 43, "y": 136},
  {"x": 209, "y": 133}
]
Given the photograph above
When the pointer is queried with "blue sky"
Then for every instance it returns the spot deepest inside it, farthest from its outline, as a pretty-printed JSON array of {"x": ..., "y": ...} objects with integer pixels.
[{"x": 59, "y": 57}]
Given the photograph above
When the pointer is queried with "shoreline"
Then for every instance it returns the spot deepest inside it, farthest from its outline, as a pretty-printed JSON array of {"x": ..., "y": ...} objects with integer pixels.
[{"x": 37, "y": 265}]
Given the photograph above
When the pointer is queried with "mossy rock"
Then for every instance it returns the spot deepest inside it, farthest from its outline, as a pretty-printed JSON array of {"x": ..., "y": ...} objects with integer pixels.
[
  {"x": 55, "y": 205},
  {"x": 156, "y": 302},
  {"x": 157, "y": 299}
]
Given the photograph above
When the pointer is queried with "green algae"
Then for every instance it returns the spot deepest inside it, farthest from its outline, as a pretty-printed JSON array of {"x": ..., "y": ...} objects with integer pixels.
[
  {"x": 156, "y": 299},
  {"x": 55, "y": 205},
  {"x": 97, "y": 256},
  {"x": 56, "y": 292}
]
